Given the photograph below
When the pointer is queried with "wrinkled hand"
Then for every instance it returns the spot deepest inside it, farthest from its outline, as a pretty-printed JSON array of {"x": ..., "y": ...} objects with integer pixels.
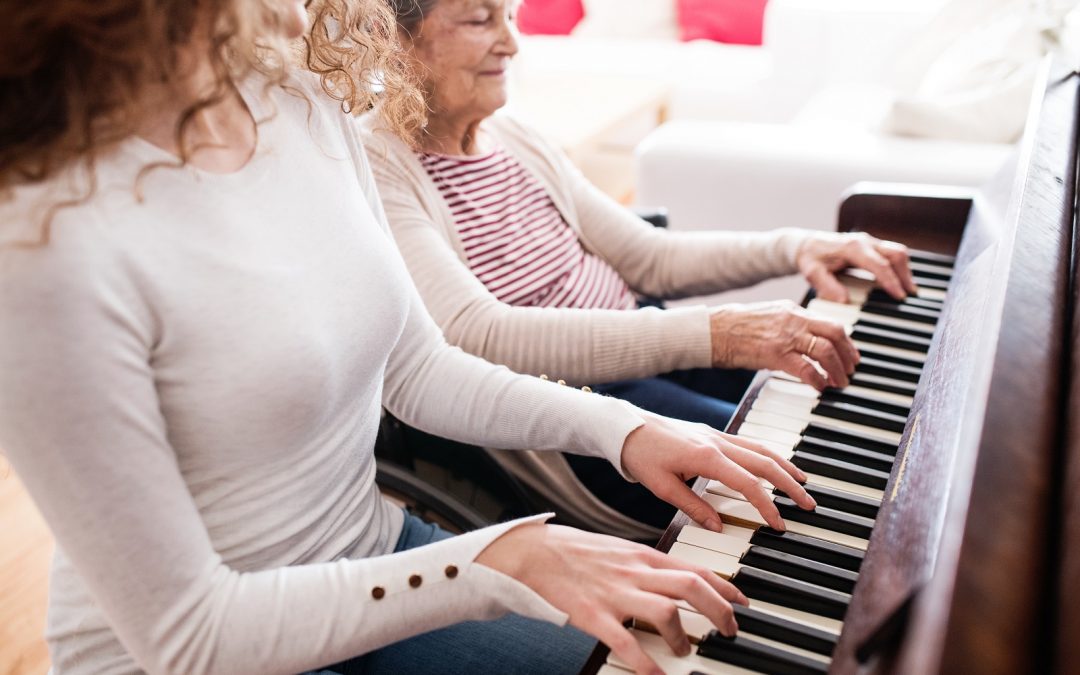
[
  {"x": 778, "y": 335},
  {"x": 601, "y": 581},
  {"x": 824, "y": 254},
  {"x": 664, "y": 453}
]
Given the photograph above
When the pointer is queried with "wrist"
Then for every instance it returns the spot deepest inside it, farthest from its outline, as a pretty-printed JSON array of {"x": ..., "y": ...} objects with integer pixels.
[{"x": 509, "y": 553}]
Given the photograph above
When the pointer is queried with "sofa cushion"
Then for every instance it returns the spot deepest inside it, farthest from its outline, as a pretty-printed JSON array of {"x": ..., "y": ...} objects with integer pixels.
[
  {"x": 549, "y": 17},
  {"x": 653, "y": 19},
  {"x": 733, "y": 21}
]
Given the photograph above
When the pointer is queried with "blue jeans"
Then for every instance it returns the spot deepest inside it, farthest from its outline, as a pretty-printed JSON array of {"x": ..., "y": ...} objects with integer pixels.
[
  {"x": 703, "y": 395},
  {"x": 512, "y": 644}
]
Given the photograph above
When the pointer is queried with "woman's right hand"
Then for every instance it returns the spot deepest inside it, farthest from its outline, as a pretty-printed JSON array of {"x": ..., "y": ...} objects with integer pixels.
[
  {"x": 601, "y": 581},
  {"x": 778, "y": 335}
]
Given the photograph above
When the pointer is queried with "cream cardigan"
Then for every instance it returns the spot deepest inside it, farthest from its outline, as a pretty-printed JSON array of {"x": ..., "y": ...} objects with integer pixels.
[{"x": 581, "y": 346}]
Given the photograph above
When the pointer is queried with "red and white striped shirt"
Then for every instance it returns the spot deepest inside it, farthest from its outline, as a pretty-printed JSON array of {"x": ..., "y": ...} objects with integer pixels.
[{"x": 516, "y": 242}]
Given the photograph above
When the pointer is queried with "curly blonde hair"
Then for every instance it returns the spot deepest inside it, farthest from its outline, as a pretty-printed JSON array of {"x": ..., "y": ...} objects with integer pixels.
[{"x": 73, "y": 72}]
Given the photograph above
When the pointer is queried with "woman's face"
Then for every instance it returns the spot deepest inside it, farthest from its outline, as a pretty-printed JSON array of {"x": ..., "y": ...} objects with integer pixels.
[{"x": 462, "y": 49}]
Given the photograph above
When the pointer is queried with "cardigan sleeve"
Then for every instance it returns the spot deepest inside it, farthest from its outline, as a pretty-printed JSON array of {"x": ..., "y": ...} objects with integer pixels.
[
  {"x": 656, "y": 261},
  {"x": 581, "y": 346}
]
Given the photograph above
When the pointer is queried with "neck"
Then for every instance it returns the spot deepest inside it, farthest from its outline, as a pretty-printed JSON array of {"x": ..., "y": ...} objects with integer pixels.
[
  {"x": 451, "y": 136},
  {"x": 220, "y": 138}
]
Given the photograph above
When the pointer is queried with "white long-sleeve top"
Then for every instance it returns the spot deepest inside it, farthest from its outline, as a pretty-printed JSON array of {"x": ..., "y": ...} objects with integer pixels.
[
  {"x": 581, "y": 346},
  {"x": 190, "y": 387}
]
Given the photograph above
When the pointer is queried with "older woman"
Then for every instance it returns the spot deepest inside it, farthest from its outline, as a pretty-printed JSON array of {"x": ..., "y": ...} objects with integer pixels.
[
  {"x": 521, "y": 261},
  {"x": 203, "y": 313}
]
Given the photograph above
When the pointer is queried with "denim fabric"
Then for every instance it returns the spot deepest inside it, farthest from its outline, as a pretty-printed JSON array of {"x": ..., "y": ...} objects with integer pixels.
[{"x": 512, "y": 644}]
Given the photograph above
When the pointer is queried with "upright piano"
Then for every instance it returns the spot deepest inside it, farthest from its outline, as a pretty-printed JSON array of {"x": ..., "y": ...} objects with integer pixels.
[{"x": 947, "y": 533}]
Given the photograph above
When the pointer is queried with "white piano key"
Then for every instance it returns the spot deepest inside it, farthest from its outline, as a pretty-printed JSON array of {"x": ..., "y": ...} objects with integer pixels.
[
  {"x": 717, "y": 488},
  {"x": 790, "y": 388},
  {"x": 734, "y": 540},
  {"x": 723, "y": 564},
  {"x": 853, "y": 488},
  {"x": 760, "y": 432},
  {"x": 851, "y": 314},
  {"x": 743, "y": 513},
  {"x": 795, "y": 403},
  {"x": 833, "y": 626},
  {"x": 869, "y": 349},
  {"x": 931, "y": 294},
  {"x": 879, "y": 396},
  {"x": 784, "y": 419},
  {"x": 671, "y": 664},
  {"x": 608, "y": 669}
]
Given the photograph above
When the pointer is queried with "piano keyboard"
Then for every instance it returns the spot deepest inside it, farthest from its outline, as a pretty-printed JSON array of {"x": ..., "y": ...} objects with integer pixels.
[{"x": 799, "y": 582}]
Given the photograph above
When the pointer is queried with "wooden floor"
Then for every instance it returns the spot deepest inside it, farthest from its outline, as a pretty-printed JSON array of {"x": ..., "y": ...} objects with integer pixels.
[{"x": 25, "y": 549}]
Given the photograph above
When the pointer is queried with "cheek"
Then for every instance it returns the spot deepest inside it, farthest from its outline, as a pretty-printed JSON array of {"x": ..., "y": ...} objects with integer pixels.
[{"x": 295, "y": 19}]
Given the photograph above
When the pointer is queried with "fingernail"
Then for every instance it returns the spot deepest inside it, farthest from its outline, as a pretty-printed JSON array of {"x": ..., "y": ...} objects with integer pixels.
[
  {"x": 714, "y": 524},
  {"x": 780, "y": 526},
  {"x": 733, "y": 628},
  {"x": 684, "y": 648},
  {"x": 813, "y": 502},
  {"x": 742, "y": 600}
]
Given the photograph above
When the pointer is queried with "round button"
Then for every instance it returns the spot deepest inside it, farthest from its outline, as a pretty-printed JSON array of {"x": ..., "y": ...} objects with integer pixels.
[
  {"x": 562, "y": 382},
  {"x": 451, "y": 571},
  {"x": 378, "y": 592},
  {"x": 587, "y": 390},
  {"x": 415, "y": 581}
]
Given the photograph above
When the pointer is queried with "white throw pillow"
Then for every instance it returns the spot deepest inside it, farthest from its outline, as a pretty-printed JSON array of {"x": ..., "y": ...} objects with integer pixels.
[
  {"x": 628, "y": 19},
  {"x": 977, "y": 83}
]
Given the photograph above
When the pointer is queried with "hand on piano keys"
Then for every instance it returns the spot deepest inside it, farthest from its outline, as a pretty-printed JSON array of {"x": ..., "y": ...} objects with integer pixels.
[
  {"x": 844, "y": 441},
  {"x": 824, "y": 254}
]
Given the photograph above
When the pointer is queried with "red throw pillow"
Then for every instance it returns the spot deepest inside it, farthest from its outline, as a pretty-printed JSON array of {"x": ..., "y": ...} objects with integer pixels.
[
  {"x": 735, "y": 21},
  {"x": 549, "y": 17}
]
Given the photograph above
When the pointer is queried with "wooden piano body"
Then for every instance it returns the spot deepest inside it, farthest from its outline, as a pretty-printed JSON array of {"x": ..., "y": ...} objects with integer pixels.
[{"x": 974, "y": 560}]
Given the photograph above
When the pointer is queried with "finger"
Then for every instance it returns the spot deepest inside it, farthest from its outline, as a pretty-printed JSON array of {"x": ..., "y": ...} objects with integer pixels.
[
  {"x": 869, "y": 259},
  {"x": 725, "y": 588},
  {"x": 674, "y": 492},
  {"x": 825, "y": 283},
  {"x": 796, "y": 366},
  {"x": 770, "y": 470},
  {"x": 696, "y": 590},
  {"x": 841, "y": 341},
  {"x": 785, "y": 464},
  {"x": 624, "y": 645},
  {"x": 827, "y": 357},
  {"x": 660, "y": 612},
  {"x": 898, "y": 256},
  {"x": 733, "y": 475}
]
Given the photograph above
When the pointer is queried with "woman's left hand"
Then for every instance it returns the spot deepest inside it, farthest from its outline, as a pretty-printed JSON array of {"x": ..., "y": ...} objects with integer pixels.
[
  {"x": 665, "y": 453},
  {"x": 824, "y": 254}
]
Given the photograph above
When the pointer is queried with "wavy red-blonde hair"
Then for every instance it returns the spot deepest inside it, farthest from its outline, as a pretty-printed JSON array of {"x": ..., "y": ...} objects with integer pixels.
[{"x": 72, "y": 72}]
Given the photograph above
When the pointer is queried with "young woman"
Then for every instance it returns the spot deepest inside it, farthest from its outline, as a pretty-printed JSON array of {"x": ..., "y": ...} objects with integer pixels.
[{"x": 203, "y": 313}]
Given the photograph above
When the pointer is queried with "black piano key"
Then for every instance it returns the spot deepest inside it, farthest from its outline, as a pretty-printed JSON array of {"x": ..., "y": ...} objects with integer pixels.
[
  {"x": 785, "y": 631},
  {"x": 813, "y": 548},
  {"x": 745, "y": 652},
  {"x": 840, "y": 470},
  {"x": 894, "y": 387},
  {"x": 804, "y": 569},
  {"x": 901, "y": 312},
  {"x": 890, "y": 338},
  {"x": 929, "y": 282},
  {"x": 847, "y": 453},
  {"x": 868, "y": 351},
  {"x": 931, "y": 258},
  {"x": 925, "y": 271},
  {"x": 827, "y": 519},
  {"x": 831, "y": 498},
  {"x": 791, "y": 593},
  {"x": 815, "y": 433},
  {"x": 860, "y": 415},
  {"x": 837, "y": 396},
  {"x": 930, "y": 304},
  {"x": 889, "y": 328},
  {"x": 875, "y": 365}
]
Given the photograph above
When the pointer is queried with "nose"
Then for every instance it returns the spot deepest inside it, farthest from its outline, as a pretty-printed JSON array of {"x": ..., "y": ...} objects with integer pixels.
[{"x": 508, "y": 41}]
